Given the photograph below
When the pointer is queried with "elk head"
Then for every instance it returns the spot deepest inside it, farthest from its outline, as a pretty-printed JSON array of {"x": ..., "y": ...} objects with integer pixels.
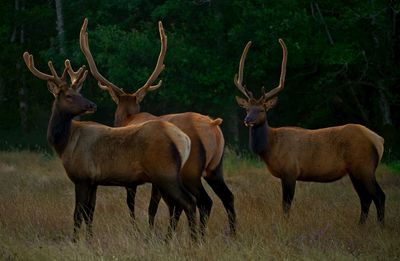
[
  {"x": 257, "y": 108},
  {"x": 67, "y": 97},
  {"x": 127, "y": 103}
]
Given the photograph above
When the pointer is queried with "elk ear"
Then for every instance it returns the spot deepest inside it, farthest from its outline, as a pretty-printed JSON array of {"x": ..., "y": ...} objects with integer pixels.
[
  {"x": 79, "y": 88},
  {"x": 242, "y": 102},
  {"x": 114, "y": 95},
  {"x": 140, "y": 95},
  {"x": 53, "y": 88},
  {"x": 269, "y": 104}
]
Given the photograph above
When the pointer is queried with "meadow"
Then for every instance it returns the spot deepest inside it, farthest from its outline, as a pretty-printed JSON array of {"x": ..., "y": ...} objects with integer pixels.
[{"x": 37, "y": 200}]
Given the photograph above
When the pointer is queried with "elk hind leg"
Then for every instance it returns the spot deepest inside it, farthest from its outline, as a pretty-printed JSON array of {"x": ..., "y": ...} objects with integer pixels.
[
  {"x": 365, "y": 198},
  {"x": 204, "y": 204},
  {"x": 180, "y": 198},
  {"x": 216, "y": 181},
  {"x": 378, "y": 196},
  {"x": 153, "y": 205},
  {"x": 174, "y": 213},
  {"x": 379, "y": 201}
]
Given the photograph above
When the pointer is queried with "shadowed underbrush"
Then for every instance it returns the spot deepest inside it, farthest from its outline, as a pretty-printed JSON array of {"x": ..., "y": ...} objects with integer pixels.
[{"x": 37, "y": 200}]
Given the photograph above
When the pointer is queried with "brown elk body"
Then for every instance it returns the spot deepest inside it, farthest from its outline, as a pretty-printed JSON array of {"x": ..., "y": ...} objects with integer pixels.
[
  {"x": 207, "y": 141},
  {"x": 322, "y": 155},
  {"x": 94, "y": 154}
]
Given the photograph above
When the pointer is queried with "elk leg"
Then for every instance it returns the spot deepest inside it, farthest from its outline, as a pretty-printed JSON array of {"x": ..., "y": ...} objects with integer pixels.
[
  {"x": 217, "y": 183},
  {"x": 89, "y": 211},
  {"x": 365, "y": 198},
  {"x": 378, "y": 196},
  {"x": 191, "y": 216},
  {"x": 177, "y": 196},
  {"x": 379, "y": 201},
  {"x": 288, "y": 188},
  {"x": 204, "y": 203},
  {"x": 174, "y": 213},
  {"x": 130, "y": 201},
  {"x": 81, "y": 198},
  {"x": 153, "y": 206}
]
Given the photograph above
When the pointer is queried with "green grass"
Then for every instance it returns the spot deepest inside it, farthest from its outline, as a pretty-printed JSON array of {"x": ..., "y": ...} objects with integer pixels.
[
  {"x": 394, "y": 166},
  {"x": 37, "y": 201}
]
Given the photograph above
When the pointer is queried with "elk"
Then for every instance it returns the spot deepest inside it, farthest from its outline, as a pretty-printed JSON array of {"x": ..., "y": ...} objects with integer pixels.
[
  {"x": 207, "y": 141},
  {"x": 321, "y": 155},
  {"x": 94, "y": 154}
]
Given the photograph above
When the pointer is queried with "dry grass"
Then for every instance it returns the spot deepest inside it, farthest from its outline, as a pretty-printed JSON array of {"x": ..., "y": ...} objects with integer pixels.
[{"x": 37, "y": 203}]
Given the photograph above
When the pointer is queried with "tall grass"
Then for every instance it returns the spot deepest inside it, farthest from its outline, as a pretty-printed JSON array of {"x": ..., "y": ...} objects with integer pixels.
[{"x": 37, "y": 200}]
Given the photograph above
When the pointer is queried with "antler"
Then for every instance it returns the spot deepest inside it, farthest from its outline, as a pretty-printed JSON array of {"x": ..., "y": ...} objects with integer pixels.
[
  {"x": 84, "y": 43},
  {"x": 28, "y": 58},
  {"x": 239, "y": 79},
  {"x": 77, "y": 77},
  {"x": 160, "y": 63},
  {"x": 276, "y": 90}
]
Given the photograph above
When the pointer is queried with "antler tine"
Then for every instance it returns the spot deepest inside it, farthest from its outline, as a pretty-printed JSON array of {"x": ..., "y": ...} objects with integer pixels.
[
  {"x": 84, "y": 44},
  {"x": 102, "y": 86},
  {"x": 281, "y": 85},
  {"x": 238, "y": 79},
  {"x": 77, "y": 77},
  {"x": 155, "y": 87},
  {"x": 160, "y": 63},
  {"x": 28, "y": 58}
]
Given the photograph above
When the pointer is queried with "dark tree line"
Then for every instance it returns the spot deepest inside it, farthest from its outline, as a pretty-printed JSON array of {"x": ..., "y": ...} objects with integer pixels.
[{"x": 343, "y": 62}]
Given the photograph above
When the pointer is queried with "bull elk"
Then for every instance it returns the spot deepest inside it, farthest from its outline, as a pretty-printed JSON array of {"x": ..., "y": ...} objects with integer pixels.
[
  {"x": 94, "y": 154},
  {"x": 322, "y": 155},
  {"x": 207, "y": 141}
]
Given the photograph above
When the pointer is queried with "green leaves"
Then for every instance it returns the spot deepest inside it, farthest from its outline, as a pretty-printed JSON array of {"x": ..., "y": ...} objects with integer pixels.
[{"x": 340, "y": 54}]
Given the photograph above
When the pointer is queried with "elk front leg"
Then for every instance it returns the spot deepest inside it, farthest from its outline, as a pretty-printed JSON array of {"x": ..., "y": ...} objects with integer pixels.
[
  {"x": 288, "y": 188},
  {"x": 89, "y": 211},
  {"x": 81, "y": 196}
]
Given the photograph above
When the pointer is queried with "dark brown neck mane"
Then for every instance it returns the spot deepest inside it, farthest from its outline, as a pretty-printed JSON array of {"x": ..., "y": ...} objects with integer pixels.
[
  {"x": 258, "y": 140},
  {"x": 59, "y": 129}
]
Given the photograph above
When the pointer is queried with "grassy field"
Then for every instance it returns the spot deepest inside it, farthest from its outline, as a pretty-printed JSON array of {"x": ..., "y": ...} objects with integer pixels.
[{"x": 37, "y": 200}]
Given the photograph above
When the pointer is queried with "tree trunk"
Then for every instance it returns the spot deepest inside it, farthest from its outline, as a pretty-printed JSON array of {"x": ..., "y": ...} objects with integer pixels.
[
  {"x": 60, "y": 26},
  {"x": 232, "y": 128},
  {"x": 18, "y": 36},
  {"x": 2, "y": 95},
  {"x": 360, "y": 107},
  {"x": 384, "y": 107}
]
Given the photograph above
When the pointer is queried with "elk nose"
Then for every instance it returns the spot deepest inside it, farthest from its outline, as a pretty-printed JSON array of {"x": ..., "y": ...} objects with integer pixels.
[
  {"x": 248, "y": 121},
  {"x": 91, "y": 107}
]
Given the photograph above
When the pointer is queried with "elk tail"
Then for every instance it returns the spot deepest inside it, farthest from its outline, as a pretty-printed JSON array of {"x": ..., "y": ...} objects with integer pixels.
[
  {"x": 377, "y": 140},
  {"x": 182, "y": 143},
  {"x": 216, "y": 122}
]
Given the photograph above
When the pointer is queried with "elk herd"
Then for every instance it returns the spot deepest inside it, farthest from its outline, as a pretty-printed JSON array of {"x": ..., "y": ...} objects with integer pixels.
[{"x": 174, "y": 152}]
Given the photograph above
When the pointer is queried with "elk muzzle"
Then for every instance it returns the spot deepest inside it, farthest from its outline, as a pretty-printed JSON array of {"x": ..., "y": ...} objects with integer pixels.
[
  {"x": 90, "y": 108},
  {"x": 249, "y": 121}
]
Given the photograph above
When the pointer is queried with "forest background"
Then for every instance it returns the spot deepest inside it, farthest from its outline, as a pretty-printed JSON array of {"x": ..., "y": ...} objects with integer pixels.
[{"x": 343, "y": 61}]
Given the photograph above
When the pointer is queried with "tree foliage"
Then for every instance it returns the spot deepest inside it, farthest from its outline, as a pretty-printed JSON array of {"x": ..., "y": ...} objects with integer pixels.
[{"x": 343, "y": 62}]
